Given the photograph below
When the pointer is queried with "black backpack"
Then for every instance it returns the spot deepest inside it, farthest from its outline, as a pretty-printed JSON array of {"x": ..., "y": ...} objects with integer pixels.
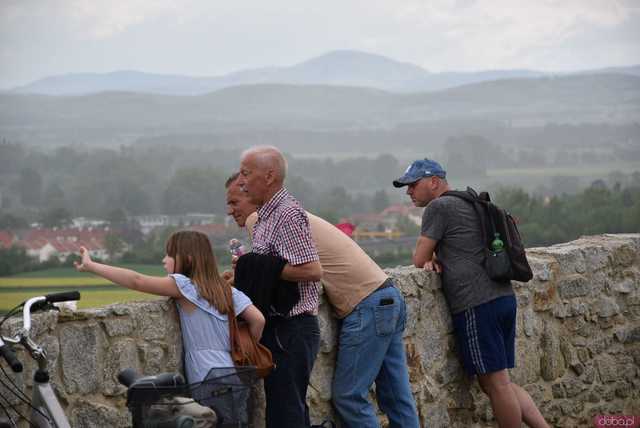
[{"x": 511, "y": 263}]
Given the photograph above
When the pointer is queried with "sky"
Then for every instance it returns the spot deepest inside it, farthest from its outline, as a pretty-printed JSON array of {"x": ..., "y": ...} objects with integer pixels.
[{"x": 40, "y": 38}]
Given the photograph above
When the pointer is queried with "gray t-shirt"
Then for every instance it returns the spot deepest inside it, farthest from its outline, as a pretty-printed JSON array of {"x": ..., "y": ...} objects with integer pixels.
[{"x": 454, "y": 223}]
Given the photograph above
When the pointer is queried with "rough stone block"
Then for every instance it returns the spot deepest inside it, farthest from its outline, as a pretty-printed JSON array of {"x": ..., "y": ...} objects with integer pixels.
[
  {"x": 606, "y": 307},
  {"x": 529, "y": 322},
  {"x": 622, "y": 389},
  {"x": 578, "y": 309},
  {"x": 88, "y": 414},
  {"x": 578, "y": 341},
  {"x": 578, "y": 368},
  {"x": 151, "y": 325},
  {"x": 625, "y": 286},
  {"x": 552, "y": 364},
  {"x": 573, "y": 286},
  {"x": 596, "y": 257},
  {"x": 152, "y": 357},
  {"x": 561, "y": 310},
  {"x": 121, "y": 355},
  {"x": 121, "y": 326},
  {"x": 81, "y": 348},
  {"x": 577, "y": 325},
  {"x": 569, "y": 256},
  {"x": 44, "y": 323},
  {"x": 557, "y": 390},
  {"x": 328, "y": 329},
  {"x": 632, "y": 335},
  {"x": 583, "y": 354},
  {"x": 450, "y": 371},
  {"x": 571, "y": 407},
  {"x": 589, "y": 375},
  {"x": 436, "y": 415},
  {"x": 322, "y": 376},
  {"x": 573, "y": 387},
  {"x": 544, "y": 299},
  {"x": 593, "y": 397},
  {"x": 623, "y": 256},
  {"x": 528, "y": 355},
  {"x": 600, "y": 344},
  {"x": 542, "y": 266},
  {"x": 607, "y": 370},
  {"x": 414, "y": 308}
]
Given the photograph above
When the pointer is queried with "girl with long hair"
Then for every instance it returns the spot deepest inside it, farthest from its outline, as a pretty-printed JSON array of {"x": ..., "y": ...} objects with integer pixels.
[{"x": 202, "y": 298}]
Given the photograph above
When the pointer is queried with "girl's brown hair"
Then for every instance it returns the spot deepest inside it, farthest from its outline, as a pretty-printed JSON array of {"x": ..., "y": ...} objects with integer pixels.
[{"x": 194, "y": 259}]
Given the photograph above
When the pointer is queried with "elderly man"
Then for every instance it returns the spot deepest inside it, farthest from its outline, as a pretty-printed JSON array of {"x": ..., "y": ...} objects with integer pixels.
[
  {"x": 282, "y": 230},
  {"x": 372, "y": 313},
  {"x": 483, "y": 310}
]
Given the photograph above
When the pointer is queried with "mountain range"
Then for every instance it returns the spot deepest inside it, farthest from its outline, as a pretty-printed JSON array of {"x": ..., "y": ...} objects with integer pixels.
[
  {"x": 122, "y": 117},
  {"x": 337, "y": 68}
]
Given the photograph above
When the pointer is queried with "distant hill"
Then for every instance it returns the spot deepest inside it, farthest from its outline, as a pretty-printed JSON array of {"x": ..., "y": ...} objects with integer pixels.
[
  {"x": 123, "y": 116},
  {"x": 339, "y": 68}
]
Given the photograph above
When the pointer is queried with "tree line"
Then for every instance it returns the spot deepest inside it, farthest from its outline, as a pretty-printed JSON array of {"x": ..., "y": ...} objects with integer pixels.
[
  {"x": 543, "y": 221},
  {"x": 600, "y": 208}
]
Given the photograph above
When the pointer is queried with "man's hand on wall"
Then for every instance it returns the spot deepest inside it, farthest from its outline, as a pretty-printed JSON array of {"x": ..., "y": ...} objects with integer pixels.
[{"x": 432, "y": 266}]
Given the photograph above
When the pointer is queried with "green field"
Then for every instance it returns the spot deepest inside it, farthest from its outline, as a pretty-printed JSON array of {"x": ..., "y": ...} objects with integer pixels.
[
  {"x": 94, "y": 291},
  {"x": 67, "y": 272}
]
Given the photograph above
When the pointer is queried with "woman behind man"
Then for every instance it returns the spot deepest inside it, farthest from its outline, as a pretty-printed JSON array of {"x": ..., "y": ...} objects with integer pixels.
[{"x": 203, "y": 299}]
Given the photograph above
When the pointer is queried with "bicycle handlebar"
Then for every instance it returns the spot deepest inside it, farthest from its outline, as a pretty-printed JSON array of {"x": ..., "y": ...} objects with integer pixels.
[
  {"x": 10, "y": 357},
  {"x": 65, "y": 296},
  {"x": 37, "y": 302}
]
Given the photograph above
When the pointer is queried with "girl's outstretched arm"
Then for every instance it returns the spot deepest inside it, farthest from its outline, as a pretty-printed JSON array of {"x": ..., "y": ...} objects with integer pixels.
[
  {"x": 159, "y": 285},
  {"x": 255, "y": 319}
]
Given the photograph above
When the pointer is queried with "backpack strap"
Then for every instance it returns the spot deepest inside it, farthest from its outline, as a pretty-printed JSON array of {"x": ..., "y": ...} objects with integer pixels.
[{"x": 478, "y": 203}]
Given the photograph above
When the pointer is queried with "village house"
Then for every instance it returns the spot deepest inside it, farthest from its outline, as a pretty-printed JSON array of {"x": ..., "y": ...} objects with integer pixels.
[
  {"x": 43, "y": 244},
  {"x": 149, "y": 222},
  {"x": 384, "y": 225},
  {"x": 6, "y": 239}
]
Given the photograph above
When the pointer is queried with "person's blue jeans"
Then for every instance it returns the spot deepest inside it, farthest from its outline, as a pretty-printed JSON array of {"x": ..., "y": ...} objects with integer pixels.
[{"x": 371, "y": 349}]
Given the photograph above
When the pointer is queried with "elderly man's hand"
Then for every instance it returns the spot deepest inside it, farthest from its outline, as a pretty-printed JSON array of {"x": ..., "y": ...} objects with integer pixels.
[
  {"x": 432, "y": 266},
  {"x": 228, "y": 276}
]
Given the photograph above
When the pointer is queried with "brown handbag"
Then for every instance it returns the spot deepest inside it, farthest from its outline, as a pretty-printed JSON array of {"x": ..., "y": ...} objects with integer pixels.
[{"x": 246, "y": 350}]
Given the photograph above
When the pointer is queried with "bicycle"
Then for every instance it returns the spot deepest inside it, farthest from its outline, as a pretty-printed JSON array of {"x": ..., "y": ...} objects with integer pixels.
[
  {"x": 161, "y": 401},
  {"x": 46, "y": 411}
]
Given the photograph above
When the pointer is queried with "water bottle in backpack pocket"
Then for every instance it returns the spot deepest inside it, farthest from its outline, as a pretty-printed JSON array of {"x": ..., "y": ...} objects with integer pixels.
[{"x": 498, "y": 263}]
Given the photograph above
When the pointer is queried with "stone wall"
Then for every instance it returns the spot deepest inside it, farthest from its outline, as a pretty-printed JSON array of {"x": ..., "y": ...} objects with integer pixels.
[{"x": 578, "y": 344}]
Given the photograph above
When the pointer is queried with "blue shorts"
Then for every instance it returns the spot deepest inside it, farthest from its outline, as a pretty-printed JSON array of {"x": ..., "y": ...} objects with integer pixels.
[{"x": 486, "y": 335}]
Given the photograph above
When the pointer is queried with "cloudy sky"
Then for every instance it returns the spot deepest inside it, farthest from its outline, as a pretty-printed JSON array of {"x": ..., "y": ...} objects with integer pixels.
[{"x": 211, "y": 37}]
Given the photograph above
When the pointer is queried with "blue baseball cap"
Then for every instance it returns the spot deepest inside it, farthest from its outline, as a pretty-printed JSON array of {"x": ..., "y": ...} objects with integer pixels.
[{"x": 420, "y": 169}]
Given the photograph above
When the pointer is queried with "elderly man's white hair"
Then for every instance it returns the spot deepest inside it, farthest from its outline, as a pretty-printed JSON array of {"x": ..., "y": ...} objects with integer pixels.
[{"x": 268, "y": 157}]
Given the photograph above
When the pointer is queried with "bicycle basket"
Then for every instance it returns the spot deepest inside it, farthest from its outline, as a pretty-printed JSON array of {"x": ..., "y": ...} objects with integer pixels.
[{"x": 227, "y": 390}]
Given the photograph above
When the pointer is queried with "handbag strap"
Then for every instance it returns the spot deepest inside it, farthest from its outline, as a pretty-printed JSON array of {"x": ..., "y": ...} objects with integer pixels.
[{"x": 233, "y": 325}]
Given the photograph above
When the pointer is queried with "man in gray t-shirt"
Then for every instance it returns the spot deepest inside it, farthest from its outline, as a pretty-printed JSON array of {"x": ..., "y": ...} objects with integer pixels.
[
  {"x": 483, "y": 311},
  {"x": 461, "y": 255}
]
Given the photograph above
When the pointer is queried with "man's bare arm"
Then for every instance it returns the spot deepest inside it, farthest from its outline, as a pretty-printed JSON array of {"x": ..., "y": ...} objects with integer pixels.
[
  {"x": 311, "y": 271},
  {"x": 424, "y": 251}
]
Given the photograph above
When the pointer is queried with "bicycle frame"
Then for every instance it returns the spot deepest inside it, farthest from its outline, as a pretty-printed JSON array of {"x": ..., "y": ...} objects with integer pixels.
[
  {"x": 46, "y": 411},
  {"x": 45, "y": 400}
]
